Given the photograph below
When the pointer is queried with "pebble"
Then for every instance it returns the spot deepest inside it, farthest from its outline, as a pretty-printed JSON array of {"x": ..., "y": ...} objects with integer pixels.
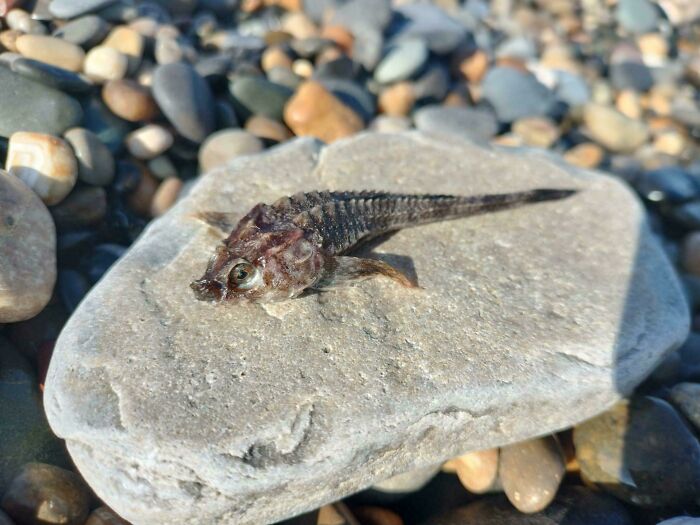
[
  {"x": 587, "y": 155},
  {"x": 540, "y": 132},
  {"x": 258, "y": 96},
  {"x": 105, "y": 516},
  {"x": 397, "y": 100},
  {"x": 275, "y": 56},
  {"x": 531, "y": 472},
  {"x": 690, "y": 254},
  {"x": 165, "y": 196},
  {"x": 387, "y": 124},
  {"x": 141, "y": 197},
  {"x": 353, "y": 95},
  {"x": 441, "y": 32},
  {"x": 149, "y": 141},
  {"x": 86, "y": 31},
  {"x": 85, "y": 206},
  {"x": 44, "y": 163},
  {"x": 129, "y": 100},
  {"x": 72, "y": 9},
  {"x": 474, "y": 66},
  {"x": 8, "y": 39},
  {"x": 515, "y": 94},
  {"x": 671, "y": 184},
  {"x": 637, "y": 16},
  {"x": 51, "y": 76},
  {"x": 51, "y": 50},
  {"x": 104, "y": 63},
  {"x": 128, "y": 42},
  {"x": 686, "y": 397},
  {"x": 109, "y": 128},
  {"x": 27, "y": 247},
  {"x": 95, "y": 161},
  {"x": 612, "y": 129},
  {"x": 432, "y": 85},
  {"x": 478, "y": 471},
  {"x": 225, "y": 145},
  {"x": 43, "y": 494},
  {"x": 642, "y": 452},
  {"x": 26, "y": 105},
  {"x": 267, "y": 129},
  {"x": 314, "y": 111},
  {"x": 402, "y": 62},
  {"x": 162, "y": 167},
  {"x": 168, "y": 50},
  {"x": 478, "y": 124},
  {"x": 185, "y": 99}
]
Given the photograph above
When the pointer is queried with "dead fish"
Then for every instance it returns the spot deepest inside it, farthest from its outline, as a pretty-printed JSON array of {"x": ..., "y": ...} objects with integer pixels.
[{"x": 278, "y": 251}]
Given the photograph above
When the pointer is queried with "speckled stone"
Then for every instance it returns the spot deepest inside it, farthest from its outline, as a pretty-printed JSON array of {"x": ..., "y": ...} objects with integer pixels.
[{"x": 607, "y": 306}]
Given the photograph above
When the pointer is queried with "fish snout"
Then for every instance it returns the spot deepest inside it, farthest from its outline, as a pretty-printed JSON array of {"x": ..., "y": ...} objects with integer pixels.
[{"x": 207, "y": 289}]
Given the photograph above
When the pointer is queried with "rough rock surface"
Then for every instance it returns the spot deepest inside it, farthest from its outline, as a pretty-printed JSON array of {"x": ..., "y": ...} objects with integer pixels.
[{"x": 528, "y": 321}]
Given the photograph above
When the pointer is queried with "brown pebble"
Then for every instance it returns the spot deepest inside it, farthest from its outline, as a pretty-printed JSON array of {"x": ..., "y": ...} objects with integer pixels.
[
  {"x": 275, "y": 56},
  {"x": 165, "y": 196},
  {"x": 127, "y": 41},
  {"x": 267, "y": 128},
  {"x": 670, "y": 142},
  {"x": 370, "y": 515},
  {"x": 299, "y": 26},
  {"x": 629, "y": 104},
  {"x": 586, "y": 155},
  {"x": 46, "y": 495},
  {"x": 539, "y": 132},
  {"x": 531, "y": 473},
  {"x": 129, "y": 100},
  {"x": 314, "y": 111},
  {"x": 474, "y": 67},
  {"x": 105, "y": 516},
  {"x": 690, "y": 253},
  {"x": 50, "y": 50},
  {"x": 397, "y": 100},
  {"x": 340, "y": 35},
  {"x": 141, "y": 198},
  {"x": 8, "y": 39},
  {"x": 45, "y": 163},
  {"x": 478, "y": 471}
]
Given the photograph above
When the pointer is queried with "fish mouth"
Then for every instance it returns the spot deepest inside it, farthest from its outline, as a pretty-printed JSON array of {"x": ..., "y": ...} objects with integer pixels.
[{"x": 207, "y": 289}]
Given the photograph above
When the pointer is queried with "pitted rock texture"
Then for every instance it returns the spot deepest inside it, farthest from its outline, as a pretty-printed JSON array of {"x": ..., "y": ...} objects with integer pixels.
[{"x": 527, "y": 321}]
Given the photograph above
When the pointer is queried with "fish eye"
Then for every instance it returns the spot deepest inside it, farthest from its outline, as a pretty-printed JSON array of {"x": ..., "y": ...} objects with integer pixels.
[{"x": 241, "y": 274}]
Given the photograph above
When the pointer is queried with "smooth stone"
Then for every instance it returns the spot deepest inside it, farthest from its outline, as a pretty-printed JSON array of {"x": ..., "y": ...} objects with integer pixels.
[
  {"x": 367, "y": 47},
  {"x": 478, "y": 471},
  {"x": 389, "y": 124},
  {"x": 314, "y": 111},
  {"x": 539, "y": 132},
  {"x": 515, "y": 94},
  {"x": 642, "y": 452},
  {"x": 129, "y": 100},
  {"x": 74, "y": 8},
  {"x": 105, "y": 516},
  {"x": 470, "y": 123},
  {"x": 267, "y": 129},
  {"x": 358, "y": 14},
  {"x": 51, "y": 50},
  {"x": 8, "y": 39},
  {"x": 104, "y": 63},
  {"x": 397, "y": 100},
  {"x": 571, "y": 89},
  {"x": 612, "y": 129},
  {"x": 531, "y": 472},
  {"x": 686, "y": 397},
  {"x": 43, "y": 162},
  {"x": 211, "y": 458},
  {"x": 51, "y": 76},
  {"x": 586, "y": 155},
  {"x": 26, "y": 105},
  {"x": 354, "y": 95},
  {"x": 28, "y": 252},
  {"x": 165, "y": 196},
  {"x": 86, "y": 31},
  {"x": 637, "y": 16},
  {"x": 24, "y": 434},
  {"x": 225, "y": 145},
  {"x": 149, "y": 141},
  {"x": 432, "y": 85},
  {"x": 109, "y": 128},
  {"x": 284, "y": 77},
  {"x": 575, "y": 505},
  {"x": 630, "y": 75},
  {"x": 402, "y": 62},
  {"x": 95, "y": 161},
  {"x": 258, "y": 96},
  {"x": 672, "y": 184},
  {"x": 185, "y": 99},
  {"x": 441, "y": 32},
  {"x": 128, "y": 42},
  {"x": 43, "y": 494},
  {"x": 85, "y": 206},
  {"x": 162, "y": 167}
]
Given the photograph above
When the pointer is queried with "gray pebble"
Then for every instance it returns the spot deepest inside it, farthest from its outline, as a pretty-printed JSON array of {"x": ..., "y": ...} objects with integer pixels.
[
  {"x": 515, "y": 94},
  {"x": 258, "y": 96},
  {"x": 403, "y": 61},
  {"x": 440, "y": 31},
  {"x": 637, "y": 16},
  {"x": 51, "y": 76},
  {"x": 95, "y": 161},
  {"x": 86, "y": 31},
  {"x": 73, "y": 8},
  {"x": 471, "y": 123}
]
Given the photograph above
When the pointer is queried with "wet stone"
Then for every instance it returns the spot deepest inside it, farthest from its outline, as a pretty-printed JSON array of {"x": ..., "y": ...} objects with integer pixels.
[
  {"x": 95, "y": 161},
  {"x": 642, "y": 452},
  {"x": 531, "y": 472},
  {"x": 26, "y": 105},
  {"x": 470, "y": 123},
  {"x": 51, "y": 76},
  {"x": 27, "y": 239},
  {"x": 43, "y": 494},
  {"x": 257, "y": 96},
  {"x": 433, "y": 400},
  {"x": 225, "y": 145},
  {"x": 185, "y": 99}
]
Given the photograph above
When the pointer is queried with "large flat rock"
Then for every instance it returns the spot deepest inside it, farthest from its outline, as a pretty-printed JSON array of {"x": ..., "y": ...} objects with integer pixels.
[{"x": 528, "y": 321}]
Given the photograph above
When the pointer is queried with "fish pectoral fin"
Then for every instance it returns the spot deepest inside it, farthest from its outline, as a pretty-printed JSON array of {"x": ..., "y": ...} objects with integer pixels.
[
  {"x": 344, "y": 271},
  {"x": 218, "y": 219}
]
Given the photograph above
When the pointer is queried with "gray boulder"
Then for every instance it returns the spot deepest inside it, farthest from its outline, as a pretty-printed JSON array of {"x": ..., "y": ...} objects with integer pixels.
[{"x": 527, "y": 321}]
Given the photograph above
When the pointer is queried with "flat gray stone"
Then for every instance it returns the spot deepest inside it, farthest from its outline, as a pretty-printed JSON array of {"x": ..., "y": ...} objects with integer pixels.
[{"x": 527, "y": 321}]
